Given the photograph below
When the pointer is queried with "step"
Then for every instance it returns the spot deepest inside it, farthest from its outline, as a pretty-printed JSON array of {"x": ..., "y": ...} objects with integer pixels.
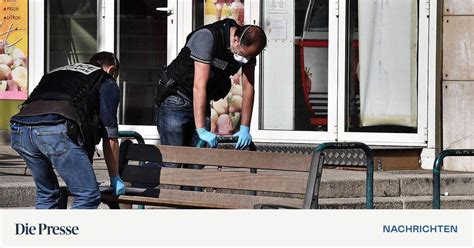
[
  {"x": 344, "y": 184},
  {"x": 18, "y": 189},
  {"x": 409, "y": 202},
  {"x": 22, "y": 195}
]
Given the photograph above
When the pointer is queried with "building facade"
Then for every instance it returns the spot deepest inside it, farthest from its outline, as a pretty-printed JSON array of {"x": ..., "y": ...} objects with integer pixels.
[{"x": 392, "y": 74}]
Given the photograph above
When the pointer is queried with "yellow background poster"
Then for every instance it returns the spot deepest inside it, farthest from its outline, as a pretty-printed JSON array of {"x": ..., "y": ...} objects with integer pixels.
[{"x": 14, "y": 49}]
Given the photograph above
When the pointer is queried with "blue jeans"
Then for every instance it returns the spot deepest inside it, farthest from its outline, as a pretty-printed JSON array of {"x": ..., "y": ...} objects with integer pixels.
[
  {"x": 176, "y": 128},
  {"x": 43, "y": 147},
  {"x": 176, "y": 125}
]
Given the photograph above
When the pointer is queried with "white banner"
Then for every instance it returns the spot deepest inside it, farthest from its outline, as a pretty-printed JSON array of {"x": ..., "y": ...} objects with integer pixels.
[
  {"x": 388, "y": 62},
  {"x": 236, "y": 228}
]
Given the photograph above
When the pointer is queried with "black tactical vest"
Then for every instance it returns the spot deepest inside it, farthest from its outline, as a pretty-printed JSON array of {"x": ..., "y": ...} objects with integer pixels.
[
  {"x": 223, "y": 64},
  {"x": 73, "y": 85}
]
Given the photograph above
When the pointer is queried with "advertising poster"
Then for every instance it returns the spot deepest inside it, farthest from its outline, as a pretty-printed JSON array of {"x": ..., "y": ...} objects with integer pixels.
[
  {"x": 215, "y": 10},
  {"x": 14, "y": 49},
  {"x": 225, "y": 113}
]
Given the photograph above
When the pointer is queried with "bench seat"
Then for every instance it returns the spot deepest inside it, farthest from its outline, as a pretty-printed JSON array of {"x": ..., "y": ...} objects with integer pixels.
[{"x": 225, "y": 182}]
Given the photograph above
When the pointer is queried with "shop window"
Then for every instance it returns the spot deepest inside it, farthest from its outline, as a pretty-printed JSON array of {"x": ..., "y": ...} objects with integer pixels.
[
  {"x": 382, "y": 66},
  {"x": 71, "y": 32}
]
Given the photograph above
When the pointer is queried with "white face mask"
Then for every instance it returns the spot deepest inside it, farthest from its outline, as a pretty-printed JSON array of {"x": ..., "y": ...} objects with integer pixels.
[{"x": 240, "y": 59}]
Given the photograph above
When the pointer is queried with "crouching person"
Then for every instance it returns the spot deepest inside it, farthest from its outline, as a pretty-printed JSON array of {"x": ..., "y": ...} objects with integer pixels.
[{"x": 58, "y": 126}]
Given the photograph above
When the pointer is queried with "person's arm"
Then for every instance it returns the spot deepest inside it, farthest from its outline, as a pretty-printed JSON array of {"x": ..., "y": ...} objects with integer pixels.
[
  {"x": 201, "y": 44},
  {"x": 111, "y": 154},
  {"x": 201, "y": 75},
  {"x": 248, "y": 93},
  {"x": 109, "y": 101}
]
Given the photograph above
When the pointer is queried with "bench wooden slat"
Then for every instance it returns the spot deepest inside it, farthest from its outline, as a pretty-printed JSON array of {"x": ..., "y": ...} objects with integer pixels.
[
  {"x": 127, "y": 199},
  {"x": 220, "y": 157},
  {"x": 190, "y": 199},
  {"x": 270, "y": 181}
]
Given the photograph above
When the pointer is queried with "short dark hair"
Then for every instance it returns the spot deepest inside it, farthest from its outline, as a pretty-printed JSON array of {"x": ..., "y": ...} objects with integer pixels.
[
  {"x": 252, "y": 35},
  {"x": 105, "y": 59}
]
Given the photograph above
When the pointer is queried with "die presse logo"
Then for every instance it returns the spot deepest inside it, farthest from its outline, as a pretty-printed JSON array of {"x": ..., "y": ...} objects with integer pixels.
[{"x": 45, "y": 229}]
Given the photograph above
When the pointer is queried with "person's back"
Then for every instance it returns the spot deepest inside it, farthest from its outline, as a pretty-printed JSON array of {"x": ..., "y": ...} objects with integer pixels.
[
  {"x": 60, "y": 124},
  {"x": 209, "y": 45}
]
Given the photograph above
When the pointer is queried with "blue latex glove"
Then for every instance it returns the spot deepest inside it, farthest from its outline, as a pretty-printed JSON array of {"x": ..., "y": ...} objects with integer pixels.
[
  {"x": 207, "y": 136},
  {"x": 118, "y": 186},
  {"x": 244, "y": 137}
]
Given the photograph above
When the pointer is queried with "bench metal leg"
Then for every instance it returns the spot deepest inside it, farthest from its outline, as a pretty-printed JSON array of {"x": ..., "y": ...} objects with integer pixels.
[
  {"x": 314, "y": 181},
  {"x": 63, "y": 197},
  {"x": 112, "y": 205}
]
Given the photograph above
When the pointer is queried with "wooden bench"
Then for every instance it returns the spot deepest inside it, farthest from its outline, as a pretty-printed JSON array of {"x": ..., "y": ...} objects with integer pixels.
[{"x": 290, "y": 180}]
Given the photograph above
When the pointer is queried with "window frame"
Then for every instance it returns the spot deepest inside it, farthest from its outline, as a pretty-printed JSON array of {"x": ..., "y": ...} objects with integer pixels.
[
  {"x": 295, "y": 136},
  {"x": 372, "y": 138},
  {"x": 337, "y": 86}
]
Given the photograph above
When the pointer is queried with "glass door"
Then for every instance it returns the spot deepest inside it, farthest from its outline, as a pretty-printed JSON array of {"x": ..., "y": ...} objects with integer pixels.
[
  {"x": 146, "y": 41},
  {"x": 383, "y": 72},
  {"x": 297, "y": 96}
]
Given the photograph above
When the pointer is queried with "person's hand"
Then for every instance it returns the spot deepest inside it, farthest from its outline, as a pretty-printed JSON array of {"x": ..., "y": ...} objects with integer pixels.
[
  {"x": 207, "y": 136},
  {"x": 118, "y": 186},
  {"x": 244, "y": 137}
]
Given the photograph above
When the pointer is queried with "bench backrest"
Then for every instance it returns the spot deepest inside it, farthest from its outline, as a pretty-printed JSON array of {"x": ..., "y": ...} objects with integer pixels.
[{"x": 278, "y": 173}]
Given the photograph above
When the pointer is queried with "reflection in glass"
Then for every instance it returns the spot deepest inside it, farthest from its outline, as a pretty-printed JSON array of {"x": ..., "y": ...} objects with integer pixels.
[
  {"x": 382, "y": 66},
  {"x": 142, "y": 51},
  {"x": 318, "y": 13},
  {"x": 71, "y": 31}
]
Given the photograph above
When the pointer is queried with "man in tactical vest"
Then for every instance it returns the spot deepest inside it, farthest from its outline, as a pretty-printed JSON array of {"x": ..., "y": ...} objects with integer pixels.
[
  {"x": 200, "y": 73},
  {"x": 66, "y": 115}
]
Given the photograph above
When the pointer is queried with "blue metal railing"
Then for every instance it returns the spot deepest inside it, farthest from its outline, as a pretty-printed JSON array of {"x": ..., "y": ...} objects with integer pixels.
[
  {"x": 136, "y": 136},
  {"x": 131, "y": 134},
  {"x": 438, "y": 164},
  {"x": 369, "y": 184}
]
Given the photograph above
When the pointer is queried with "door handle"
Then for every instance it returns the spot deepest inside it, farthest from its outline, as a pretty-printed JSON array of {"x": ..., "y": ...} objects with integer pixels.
[{"x": 169, "y": 11}]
